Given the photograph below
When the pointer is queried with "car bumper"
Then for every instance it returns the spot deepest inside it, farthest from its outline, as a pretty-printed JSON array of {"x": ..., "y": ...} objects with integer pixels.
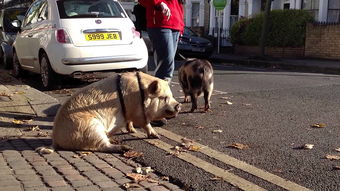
[{"x": 67, "y": 59}]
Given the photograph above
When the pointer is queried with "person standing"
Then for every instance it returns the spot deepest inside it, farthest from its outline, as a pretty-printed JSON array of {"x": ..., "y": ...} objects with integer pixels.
[{"x": 165, "y": 23}]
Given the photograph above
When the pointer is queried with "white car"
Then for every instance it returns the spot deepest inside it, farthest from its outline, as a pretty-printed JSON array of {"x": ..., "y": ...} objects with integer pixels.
[{"x": 72, "y": 37}]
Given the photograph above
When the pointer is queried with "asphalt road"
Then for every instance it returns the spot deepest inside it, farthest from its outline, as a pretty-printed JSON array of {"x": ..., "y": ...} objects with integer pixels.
[{"x": 270, "y": 112}]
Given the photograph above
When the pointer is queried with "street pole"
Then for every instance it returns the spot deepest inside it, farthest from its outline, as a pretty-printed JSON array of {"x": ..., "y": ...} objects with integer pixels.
[
  {"x": 219, "y": 31},
  {"x": 265, "y": 27}
]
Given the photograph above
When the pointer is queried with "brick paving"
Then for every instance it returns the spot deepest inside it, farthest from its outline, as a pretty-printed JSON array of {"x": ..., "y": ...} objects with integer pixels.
[{"x": 22, "y": 168}]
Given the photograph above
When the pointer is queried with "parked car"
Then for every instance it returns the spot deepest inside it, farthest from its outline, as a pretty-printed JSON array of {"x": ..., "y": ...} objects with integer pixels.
[
  {"x": 73, "y": 37},
  {"x": 191, "y": 44},
  {"x": 8, "y": 32}
]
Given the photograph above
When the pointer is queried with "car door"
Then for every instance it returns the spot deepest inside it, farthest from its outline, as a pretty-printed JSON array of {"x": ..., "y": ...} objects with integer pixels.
[{"x": 24, "y": 44}]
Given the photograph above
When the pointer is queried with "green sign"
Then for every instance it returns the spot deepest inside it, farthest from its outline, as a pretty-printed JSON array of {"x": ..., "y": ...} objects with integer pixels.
[{"x": 219, "y": 4}]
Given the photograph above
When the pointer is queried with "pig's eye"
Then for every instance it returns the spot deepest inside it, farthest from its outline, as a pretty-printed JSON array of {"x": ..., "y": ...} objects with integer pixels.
[{"x": 166, "y": 99}]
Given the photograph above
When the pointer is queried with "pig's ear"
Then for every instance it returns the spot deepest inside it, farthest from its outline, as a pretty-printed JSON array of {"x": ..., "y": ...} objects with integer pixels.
[{"x": 154, "y": 88}]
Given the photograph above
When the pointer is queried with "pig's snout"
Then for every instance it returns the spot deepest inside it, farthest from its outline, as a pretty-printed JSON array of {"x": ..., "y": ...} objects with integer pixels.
[{"x": 178, "y": 107}]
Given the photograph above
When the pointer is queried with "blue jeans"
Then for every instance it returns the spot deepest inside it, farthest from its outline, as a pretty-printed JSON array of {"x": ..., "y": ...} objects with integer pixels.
[{"x": 164, "y": 43}]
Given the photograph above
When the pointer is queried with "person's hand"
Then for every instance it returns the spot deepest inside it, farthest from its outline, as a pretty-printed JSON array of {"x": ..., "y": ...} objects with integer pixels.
[{"x": 165, "y": 10}]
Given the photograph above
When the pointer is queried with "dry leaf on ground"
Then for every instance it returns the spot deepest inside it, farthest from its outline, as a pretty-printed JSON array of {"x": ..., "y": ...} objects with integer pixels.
[
  {"x": 332, "y": 157},
  {"x": 239, "y": 146},
  {"x": 228, "y": 103},
  {"x": 338, "y": 149},
  {"x": 217, "y": 131},
  {"x": 133, "y": 154},
  {"x": 308, "y": 146},
  {"x": 131, "y": 185},
  {"x": 17, "y": 122},
  {"x": 34, "y": 128},
  {"x": 216, "y": 178},
  {"x": 199, "y": 127},
  {"x": 140, "y": 177},
  {"x": 5, "y": 94},
  {"x": 318, "y": 125},
  {"x": 20, "y": 92},
  {"x": 42, "y": 134},
  {"x": 226, "y": 98},
  {"x": 143, "y": 170},
  {"x": 336, "y": 168},
  {"x": 85, "y": 153}
]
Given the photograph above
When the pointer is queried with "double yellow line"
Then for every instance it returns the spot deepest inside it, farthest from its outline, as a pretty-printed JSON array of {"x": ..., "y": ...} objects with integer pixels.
[{"x": 226, "y": 159}]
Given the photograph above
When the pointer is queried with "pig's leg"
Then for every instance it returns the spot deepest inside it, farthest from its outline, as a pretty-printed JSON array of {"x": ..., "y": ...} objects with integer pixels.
[
  {"x": 150, "y": 131},
  {"x": 193, "y": 101},
  {"x": 130, "y": 128},
  {"x": 207, "y": 96}
]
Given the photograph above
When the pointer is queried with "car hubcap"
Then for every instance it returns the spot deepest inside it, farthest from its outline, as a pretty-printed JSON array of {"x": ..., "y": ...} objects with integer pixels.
[{"x": 44, "y": 72}]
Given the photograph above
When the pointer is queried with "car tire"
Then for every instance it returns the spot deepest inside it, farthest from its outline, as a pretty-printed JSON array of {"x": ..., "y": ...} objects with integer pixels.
[
  {"x": 145, "y": 69},
  {"x": 47, "y": 74},
  {"x": 16, "y": 68}
]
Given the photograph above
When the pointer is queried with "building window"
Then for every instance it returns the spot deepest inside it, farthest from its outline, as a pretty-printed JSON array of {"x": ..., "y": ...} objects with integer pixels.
[
  {"x": 195, "y": 16},
  {"x": 312, "y": 6},
  {"x": 333, "y": 11}
]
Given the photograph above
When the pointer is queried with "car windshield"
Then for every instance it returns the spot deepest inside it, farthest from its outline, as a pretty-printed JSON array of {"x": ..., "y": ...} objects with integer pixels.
[
  {"x": 189, "y": 32},
  {"x": 90, "y": 9},
  {"x": 10, "y": 15}
]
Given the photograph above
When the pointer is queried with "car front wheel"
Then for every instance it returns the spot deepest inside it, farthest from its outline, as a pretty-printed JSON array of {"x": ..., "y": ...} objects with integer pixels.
[
  {"x": 16, "y": 68},
  {"x": 48, "y": 76}
]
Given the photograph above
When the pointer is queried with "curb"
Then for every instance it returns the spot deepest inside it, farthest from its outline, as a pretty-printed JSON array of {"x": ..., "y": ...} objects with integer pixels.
[
  {"x": 285, "y": 65},
  {"x": 42, "y": 104}
]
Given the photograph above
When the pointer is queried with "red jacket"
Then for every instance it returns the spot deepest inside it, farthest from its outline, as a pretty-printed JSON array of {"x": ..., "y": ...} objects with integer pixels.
[{"x": 156, "y": 19}]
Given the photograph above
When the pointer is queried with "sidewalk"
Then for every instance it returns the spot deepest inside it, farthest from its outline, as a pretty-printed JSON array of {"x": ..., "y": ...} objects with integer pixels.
[
  {"x": 26, "y": 120},
  {"x": 298, "y": 65}
]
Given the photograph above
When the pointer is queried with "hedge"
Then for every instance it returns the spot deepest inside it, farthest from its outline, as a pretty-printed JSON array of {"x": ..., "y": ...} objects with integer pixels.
[{"x": 285, "y": 28}]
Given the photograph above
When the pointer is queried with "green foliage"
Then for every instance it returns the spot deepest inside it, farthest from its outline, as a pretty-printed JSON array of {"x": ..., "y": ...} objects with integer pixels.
[{"x": 285, "y": 28}]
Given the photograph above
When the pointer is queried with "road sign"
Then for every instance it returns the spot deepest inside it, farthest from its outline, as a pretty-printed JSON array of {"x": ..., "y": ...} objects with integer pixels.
[{"x": 219, "y": 4}]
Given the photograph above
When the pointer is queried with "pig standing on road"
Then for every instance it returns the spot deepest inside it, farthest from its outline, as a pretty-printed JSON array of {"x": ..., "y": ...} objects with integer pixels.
[{"x": 195, "y": 77}]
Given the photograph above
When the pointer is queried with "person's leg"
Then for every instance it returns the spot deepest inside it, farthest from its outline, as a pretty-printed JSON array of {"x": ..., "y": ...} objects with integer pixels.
[{"x": 165, "y": 44}]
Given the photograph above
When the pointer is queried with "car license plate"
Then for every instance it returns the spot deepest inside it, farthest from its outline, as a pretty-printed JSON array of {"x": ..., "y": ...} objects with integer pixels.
[{"x": 102, "y": 36}]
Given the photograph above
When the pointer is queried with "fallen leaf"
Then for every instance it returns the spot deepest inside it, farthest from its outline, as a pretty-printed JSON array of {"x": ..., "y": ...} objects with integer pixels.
[
  {"x": 217, "y": 131},
  {"x": 199, "y": 127},
  {"x": 85, "y": 153},
  {"x": 336, "y": 168},
  {"x": 18, "y": 122},
  {"x": 216, "y": 178},
  {"x": 20, "y": 92},
  {"x": 247, "y": 104},
  {"x": 5, "y": 94},
  {"x": 42, "y": 134},
  {"x": 338, "y": 149},
  {"x": 75, "y": 156},
  {"x": 137, "y": 177},
  {"x": 229, "y": 103},
  {"x": 308, "y": 146},
  {"x": 132, "y": 154},
  {"x": 226, "y": 98},
  {"x": 194, "y": 148},
  {"x": 332, "y": 157},
  {"x": 131, "y": 185},
  {"x": 186, "y": 141},
  {"x": 318, "y": 125},
  {"x": 35, "y": 128},
  {"x": 239, "y": 146},
  {"x": 143, "y": 170}
]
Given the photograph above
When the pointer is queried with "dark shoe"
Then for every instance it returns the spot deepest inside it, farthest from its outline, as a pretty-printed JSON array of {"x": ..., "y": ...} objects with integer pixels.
[{"x": 159, "y": 123}]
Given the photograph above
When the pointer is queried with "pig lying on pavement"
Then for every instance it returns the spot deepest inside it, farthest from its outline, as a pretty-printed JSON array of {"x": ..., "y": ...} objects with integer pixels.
[{"x": 88, "y": 119}]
